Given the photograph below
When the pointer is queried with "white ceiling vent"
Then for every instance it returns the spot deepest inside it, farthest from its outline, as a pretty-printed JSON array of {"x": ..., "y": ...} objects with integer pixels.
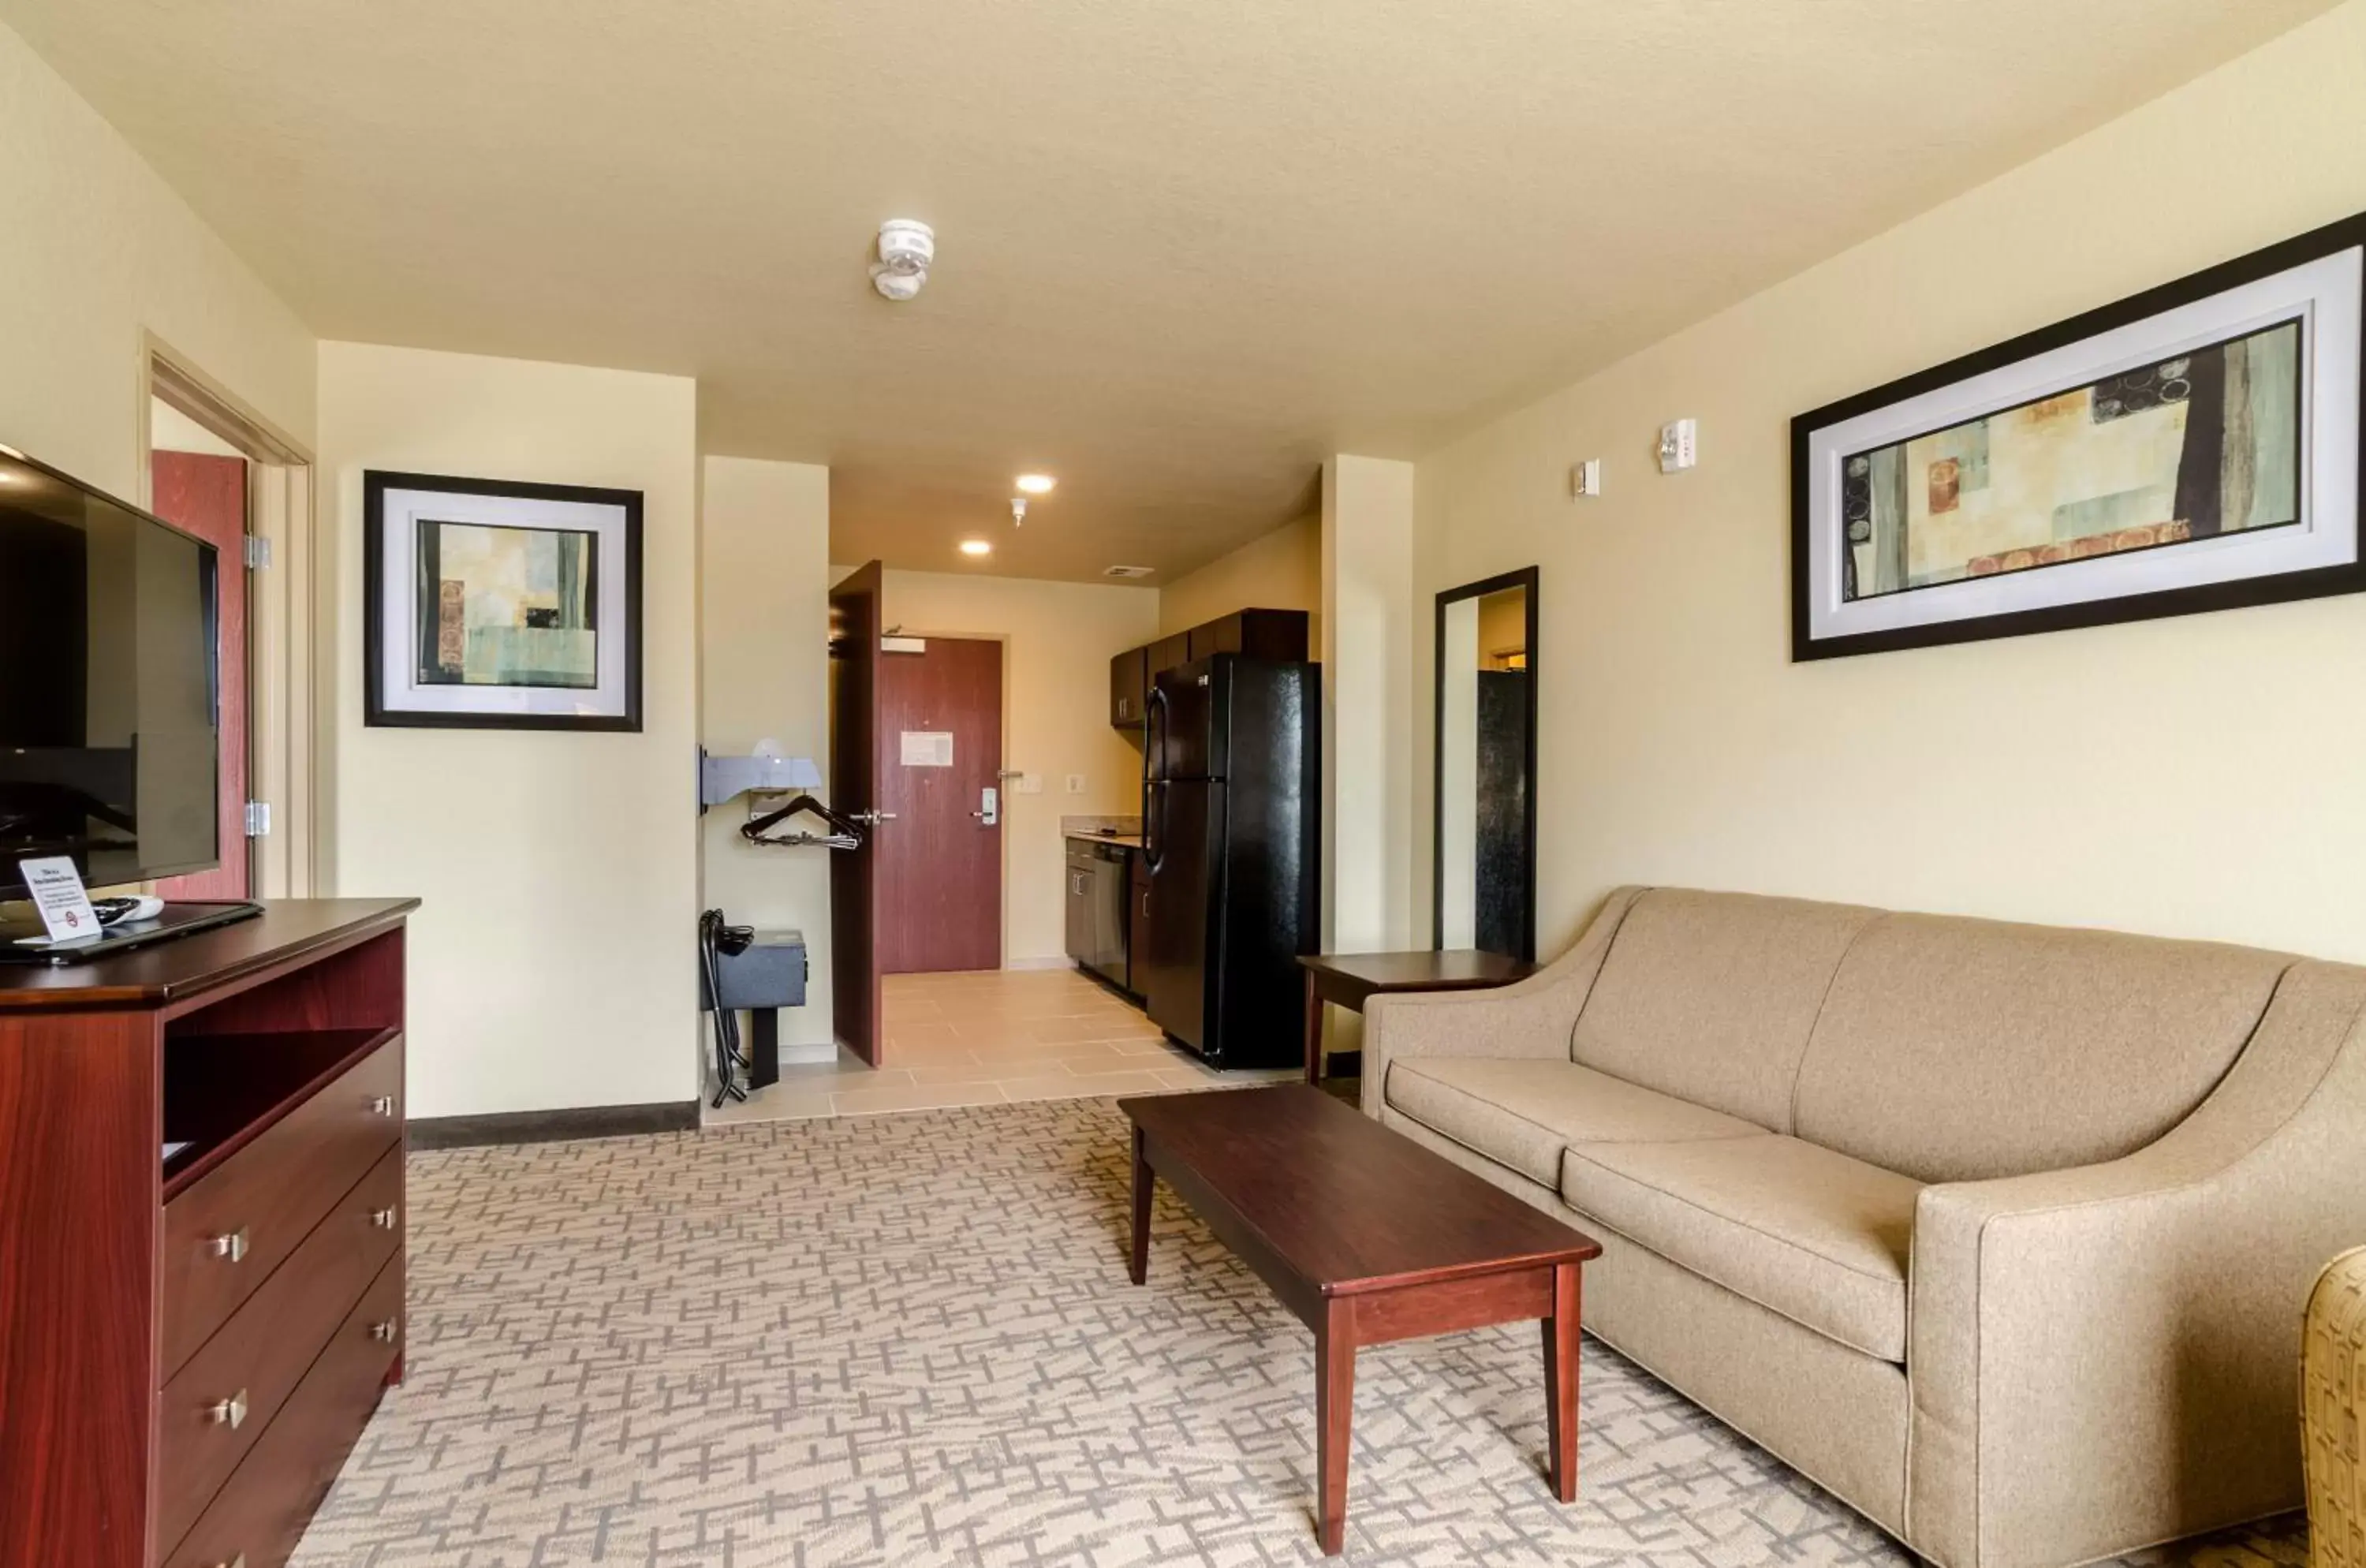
[{"x": 1127, "y": 571}]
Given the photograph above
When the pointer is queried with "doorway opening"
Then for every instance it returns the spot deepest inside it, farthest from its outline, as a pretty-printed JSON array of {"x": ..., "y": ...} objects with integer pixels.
[{"x": 220, "y": 471}]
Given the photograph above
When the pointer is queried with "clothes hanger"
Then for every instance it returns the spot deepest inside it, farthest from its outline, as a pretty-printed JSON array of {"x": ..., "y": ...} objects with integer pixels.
[{"x": 845, "y": 833}]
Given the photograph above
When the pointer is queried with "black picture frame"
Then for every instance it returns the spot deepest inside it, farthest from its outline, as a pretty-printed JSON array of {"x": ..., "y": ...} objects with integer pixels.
[
  {"x": 2281, "y": 588},
  {"x": 1526, "y": 578},
  {"x": 376, "y": 483}
]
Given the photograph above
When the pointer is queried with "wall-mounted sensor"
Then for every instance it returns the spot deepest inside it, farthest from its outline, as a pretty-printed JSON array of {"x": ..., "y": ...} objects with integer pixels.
[
  {"x": 907, "y": 249},
  {"x": 1586, "y": 479},
  {"x": 1679, "y": 445}
]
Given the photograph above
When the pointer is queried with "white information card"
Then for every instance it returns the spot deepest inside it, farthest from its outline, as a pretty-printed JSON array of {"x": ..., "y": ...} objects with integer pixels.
[
  {"x": 58, "y": 894},
  {"x": 927, "y": 749}
]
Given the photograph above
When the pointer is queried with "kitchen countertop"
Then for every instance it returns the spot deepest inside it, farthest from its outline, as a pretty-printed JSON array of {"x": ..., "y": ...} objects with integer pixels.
[{"x": 1127, "y": 841}]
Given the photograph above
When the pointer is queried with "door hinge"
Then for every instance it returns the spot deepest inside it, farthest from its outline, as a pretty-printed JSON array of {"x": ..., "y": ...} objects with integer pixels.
[
  {"x": 258, "y": 818},
  {"x": 258, "y": 552}
]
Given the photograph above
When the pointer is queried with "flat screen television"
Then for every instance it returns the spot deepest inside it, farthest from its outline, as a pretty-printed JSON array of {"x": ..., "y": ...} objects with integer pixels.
[{"x": 110, "y": 684}]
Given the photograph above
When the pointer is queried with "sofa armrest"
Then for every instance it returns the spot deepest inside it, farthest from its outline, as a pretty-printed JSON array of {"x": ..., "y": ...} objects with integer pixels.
[
  {"x": 2108, "y": 1356},
  {"x": 1532, "y": 1018}
]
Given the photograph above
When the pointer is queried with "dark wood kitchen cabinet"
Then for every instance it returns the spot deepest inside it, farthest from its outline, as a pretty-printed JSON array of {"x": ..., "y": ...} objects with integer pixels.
[
  {"x": 1137, "y": 925},
  {"x": 1278, "y": 635},
  {"x": 1169, "y": 653},
  {"x": 1129, "y": 685}
]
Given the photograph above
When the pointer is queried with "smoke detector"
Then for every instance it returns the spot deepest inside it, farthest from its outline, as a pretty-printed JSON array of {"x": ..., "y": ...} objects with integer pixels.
[
  {"x": 906, "y": 246},
  {"x": 1127, "y": 571}
]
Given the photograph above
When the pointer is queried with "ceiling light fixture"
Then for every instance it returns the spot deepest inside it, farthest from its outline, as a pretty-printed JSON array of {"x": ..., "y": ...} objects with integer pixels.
[
  {"x": 1037, "y": 484},
  {"x": 977, "y": 548}
]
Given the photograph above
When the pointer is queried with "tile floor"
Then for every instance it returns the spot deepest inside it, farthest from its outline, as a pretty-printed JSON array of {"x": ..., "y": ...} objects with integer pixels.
[{"x": 991, "y": 1037}]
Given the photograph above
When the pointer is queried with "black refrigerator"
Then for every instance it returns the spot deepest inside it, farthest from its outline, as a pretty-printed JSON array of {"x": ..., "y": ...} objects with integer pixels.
[{"x": 1231, "y": 823}]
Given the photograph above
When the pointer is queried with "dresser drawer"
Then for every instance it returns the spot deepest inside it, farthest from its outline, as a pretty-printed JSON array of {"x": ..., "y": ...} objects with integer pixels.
[
  {"x": 225, "y": 1235},
  {"x": 217, "y": 1406},
  {"x": 261, "y": 1514}
]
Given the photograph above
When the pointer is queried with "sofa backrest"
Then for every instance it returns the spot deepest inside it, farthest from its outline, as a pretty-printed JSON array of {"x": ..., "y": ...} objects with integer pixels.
[
  {"x": 1957, "y": 1050},
  {"x": 1711, "y": 997}
]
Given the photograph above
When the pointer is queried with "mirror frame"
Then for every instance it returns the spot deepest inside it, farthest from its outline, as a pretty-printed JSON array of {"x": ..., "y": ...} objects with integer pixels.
[{"x": 1526, "y": 578}]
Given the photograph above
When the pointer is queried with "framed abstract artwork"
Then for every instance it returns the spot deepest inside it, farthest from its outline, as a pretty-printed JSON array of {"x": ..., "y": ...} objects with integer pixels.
[
  {"x": 495, "y": 605},
  {"x": 2194, "y": 447}
]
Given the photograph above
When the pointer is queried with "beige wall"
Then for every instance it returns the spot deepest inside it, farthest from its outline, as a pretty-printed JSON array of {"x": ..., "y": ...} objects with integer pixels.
[
  {"x": 1060, "y": 637},
  {"x": 1369, "y": 625},
  {"x": 764, "y": 673},
  {"x": 96, "y": 250},
  {"x": 2198, "y": 776},
  {"x": 552, "y": 962},
  {"x": 1280, "y": 571}
]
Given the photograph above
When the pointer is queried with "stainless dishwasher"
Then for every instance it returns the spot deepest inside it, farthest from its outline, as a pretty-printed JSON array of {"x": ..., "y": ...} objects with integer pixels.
[{"x": 1099, "y": 881}]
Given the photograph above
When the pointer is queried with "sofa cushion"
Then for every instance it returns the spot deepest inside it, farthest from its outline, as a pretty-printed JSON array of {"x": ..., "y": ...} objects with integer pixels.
[
  {"x": 1813, "y": 1235},
  {"x": 1523, "y": 1114},
  {"x": 1960, "y": 1050},
  {"x": 1710, "y": 996}
]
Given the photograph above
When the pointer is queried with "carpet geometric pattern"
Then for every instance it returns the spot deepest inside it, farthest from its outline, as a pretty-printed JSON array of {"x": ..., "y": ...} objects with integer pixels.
[{"x": 910, "y": 1340}]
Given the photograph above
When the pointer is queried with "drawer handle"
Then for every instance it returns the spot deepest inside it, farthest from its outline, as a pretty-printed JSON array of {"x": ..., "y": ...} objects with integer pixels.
[
  {"x": 229, "y": 1412},
  {"x": 382, "y": 1106},
  {"x": 383, "y": 1218},
  {"x": 231, "y": 1248},
  {"x": 383, "y": 1332}
]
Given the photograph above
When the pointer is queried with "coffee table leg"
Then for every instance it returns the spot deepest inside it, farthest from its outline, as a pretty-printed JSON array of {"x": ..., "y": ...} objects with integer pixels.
[
  {"x": 1560, "y": 1382},
  {"x": 1314, "y": 1032},
  {"x": 1335, "y": 1413},
  {"x": 1137, "y": 1263}
]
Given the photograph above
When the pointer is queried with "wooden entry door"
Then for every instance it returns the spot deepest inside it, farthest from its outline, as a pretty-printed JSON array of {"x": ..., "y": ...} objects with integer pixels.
[
  {"x": 941, "y": 779},
  {"x": 853, "y": 788},
  {"x": 207, "y": 495}
]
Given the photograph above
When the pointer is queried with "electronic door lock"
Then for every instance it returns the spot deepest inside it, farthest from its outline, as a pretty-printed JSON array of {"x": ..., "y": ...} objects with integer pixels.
[{"x": 989, "y": 808}]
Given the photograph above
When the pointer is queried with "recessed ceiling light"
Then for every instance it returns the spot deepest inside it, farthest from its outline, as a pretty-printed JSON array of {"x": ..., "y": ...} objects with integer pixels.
[
  {"x": 1036, "y": 484},
  {"x": 977, "y": 548}
]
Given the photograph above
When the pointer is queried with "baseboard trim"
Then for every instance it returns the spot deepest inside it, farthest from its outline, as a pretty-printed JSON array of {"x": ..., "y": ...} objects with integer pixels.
[
  {"x": 1053, "y": 962},
  {"x": 552, "y": 1126},
  {"x": 820, "y": 1053}
]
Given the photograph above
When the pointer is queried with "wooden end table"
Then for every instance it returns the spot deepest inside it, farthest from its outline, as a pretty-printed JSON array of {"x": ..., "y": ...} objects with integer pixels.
[
  {"x": 1348, "y": 979},
  {"x": 1365, "y": 1237}
]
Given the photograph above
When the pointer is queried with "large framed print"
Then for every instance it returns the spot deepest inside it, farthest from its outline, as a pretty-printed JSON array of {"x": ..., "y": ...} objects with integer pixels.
[
  {"x": 2194, "y": 447},
  {"x": 498, "y": 605}
]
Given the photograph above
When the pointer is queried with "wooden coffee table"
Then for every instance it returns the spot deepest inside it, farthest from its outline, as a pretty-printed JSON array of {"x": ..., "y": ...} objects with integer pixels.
[{"x": 1366, "y": 1237}]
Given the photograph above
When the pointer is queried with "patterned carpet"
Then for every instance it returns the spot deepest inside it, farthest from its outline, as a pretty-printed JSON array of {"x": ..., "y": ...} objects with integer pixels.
[{"x": 909, "y": 1340}]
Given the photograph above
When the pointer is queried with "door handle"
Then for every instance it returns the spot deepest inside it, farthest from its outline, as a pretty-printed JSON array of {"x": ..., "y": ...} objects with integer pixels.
[
  {"x": 871, "y": 818},
  {"x": 989, "y": 811}
]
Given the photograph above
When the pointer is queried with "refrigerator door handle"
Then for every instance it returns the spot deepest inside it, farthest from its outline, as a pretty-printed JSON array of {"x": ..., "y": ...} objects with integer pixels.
[{"x": 1154, "y": 788}]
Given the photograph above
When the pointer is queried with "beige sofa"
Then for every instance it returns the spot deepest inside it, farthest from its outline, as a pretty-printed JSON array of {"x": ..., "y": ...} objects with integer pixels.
[{"x": 2002, "y": 1233}]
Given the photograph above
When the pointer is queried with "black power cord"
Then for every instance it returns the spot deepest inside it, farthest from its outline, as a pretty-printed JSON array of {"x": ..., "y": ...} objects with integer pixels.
[{"x": 716, "y": 940}]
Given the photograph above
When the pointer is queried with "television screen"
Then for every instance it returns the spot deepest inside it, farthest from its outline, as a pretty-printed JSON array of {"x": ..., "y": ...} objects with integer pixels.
[{"x": 108, "y": 684}]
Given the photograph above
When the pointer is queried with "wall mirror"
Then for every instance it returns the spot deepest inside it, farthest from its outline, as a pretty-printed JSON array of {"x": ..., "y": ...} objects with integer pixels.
[{"x": 1485, "y": 860}]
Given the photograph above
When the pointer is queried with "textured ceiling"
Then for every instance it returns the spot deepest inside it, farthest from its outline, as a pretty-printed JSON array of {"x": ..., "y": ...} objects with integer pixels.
[{"x": 1185, "y": 249}]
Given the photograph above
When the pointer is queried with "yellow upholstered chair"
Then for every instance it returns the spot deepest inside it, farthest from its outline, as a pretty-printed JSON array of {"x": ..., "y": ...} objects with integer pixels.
[{"x": 2332, "y": 1407}]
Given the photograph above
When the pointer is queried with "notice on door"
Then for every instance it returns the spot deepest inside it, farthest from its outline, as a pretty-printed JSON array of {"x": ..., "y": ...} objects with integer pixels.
[{"x": 927, "y": 748}]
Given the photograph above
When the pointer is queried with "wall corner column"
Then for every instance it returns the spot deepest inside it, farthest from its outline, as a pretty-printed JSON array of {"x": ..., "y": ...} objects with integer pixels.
[{"x": 1367, "y": 707}]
